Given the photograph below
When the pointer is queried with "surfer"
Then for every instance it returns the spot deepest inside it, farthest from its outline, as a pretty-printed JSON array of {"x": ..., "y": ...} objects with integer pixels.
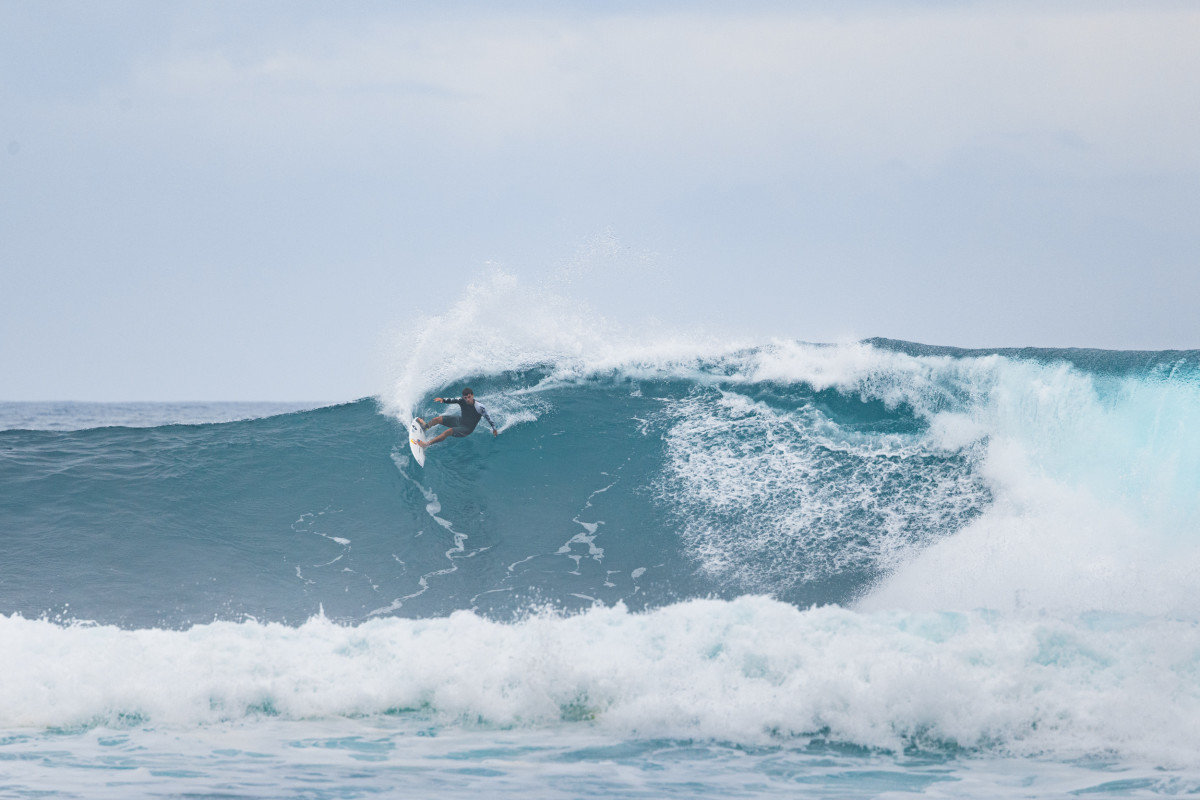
[{"x": 458, "y": 425}]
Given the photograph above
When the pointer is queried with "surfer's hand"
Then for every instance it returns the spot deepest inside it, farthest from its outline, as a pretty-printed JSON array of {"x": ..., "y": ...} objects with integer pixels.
[
  {"x": 495, "y": 432},
  {"x": 438, "y": 400}
]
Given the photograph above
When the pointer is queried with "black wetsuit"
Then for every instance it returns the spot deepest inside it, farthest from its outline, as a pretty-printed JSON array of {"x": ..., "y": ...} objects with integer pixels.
[{"x": 471, "y": 414}]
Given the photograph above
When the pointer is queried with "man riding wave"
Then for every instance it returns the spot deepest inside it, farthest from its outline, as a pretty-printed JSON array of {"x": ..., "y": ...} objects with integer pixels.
[{"x": 458, "y": 425}]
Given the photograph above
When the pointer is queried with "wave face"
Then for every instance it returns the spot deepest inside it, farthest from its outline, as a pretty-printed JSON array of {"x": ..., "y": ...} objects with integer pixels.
[
  {"x": 815, "y": 474},
  {"x": 996, "y": 542}
]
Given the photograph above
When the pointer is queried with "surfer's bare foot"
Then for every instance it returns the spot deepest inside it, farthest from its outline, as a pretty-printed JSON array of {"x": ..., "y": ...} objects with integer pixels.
[
  {"x": 423, "y": 444},
  {"x": 421, "y": 422}
]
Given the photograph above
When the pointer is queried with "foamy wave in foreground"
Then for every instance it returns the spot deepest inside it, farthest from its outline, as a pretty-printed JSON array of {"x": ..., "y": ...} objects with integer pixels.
[{"x": 751, "y": 670}]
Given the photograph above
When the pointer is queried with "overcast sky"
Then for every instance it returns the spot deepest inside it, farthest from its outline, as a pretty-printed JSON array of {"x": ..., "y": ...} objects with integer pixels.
[{"x": 240, "y": 200}]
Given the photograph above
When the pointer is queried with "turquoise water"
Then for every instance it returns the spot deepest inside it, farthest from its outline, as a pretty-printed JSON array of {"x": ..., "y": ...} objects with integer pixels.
[{"x": 785, "y": 569}]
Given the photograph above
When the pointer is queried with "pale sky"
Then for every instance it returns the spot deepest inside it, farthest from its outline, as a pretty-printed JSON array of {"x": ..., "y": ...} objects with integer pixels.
[{"x": 239, "y": 201}]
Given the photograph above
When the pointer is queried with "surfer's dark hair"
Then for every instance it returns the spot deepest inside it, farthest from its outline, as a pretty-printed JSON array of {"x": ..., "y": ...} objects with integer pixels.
[{"x": 467, "y": 390}]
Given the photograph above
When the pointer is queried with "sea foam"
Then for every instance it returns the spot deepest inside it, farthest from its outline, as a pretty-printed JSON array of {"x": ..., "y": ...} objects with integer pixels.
[{"x": 751, "y": 670}]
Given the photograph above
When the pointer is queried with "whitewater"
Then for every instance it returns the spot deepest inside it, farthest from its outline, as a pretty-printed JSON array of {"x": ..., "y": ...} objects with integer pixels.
[{"x": 689, "y": 566}]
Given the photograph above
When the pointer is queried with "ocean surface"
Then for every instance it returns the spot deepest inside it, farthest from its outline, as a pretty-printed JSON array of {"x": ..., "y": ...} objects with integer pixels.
[{"x": 873, "y": 569}]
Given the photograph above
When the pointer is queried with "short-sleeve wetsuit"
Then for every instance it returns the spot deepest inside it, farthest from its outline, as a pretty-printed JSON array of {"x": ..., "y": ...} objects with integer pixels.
[{"x": 464, "y": 424}]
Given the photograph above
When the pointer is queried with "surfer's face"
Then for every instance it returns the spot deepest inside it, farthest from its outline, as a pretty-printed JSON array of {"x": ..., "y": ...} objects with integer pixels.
[{"x": 470, "y": 398}]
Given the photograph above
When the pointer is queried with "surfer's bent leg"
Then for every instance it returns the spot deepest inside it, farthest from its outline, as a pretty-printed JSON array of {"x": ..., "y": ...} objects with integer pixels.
[{"x": 437, "y": 438}]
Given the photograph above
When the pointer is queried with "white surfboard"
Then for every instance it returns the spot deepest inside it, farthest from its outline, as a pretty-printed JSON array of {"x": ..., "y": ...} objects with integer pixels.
[{"x": 415, "y": 434}]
